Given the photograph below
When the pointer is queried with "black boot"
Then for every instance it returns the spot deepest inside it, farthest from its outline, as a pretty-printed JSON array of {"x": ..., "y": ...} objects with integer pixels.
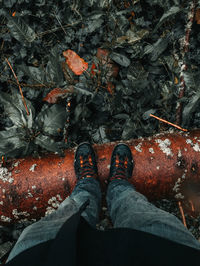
[
  {"x": 121, "y": 166},
  {"x": 85, "y": 162}
]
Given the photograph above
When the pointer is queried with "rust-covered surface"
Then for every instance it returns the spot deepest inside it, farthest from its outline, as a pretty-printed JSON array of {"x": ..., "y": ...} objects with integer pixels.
[{"x": 166, "y": 166}]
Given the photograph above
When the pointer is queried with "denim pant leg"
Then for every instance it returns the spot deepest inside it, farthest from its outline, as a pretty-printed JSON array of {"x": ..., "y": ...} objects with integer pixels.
[
  {"x": 130, "y": 209},
  {"x": 47, "y": 227}
]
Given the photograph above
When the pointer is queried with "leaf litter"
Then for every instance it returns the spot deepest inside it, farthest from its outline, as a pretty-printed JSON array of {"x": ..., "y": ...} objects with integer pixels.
[{"x": 111, "y": 96}]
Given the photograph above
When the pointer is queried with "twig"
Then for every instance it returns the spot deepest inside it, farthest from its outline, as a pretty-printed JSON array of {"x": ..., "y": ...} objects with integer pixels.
[
  {"x": 184, "y": 46},
  {"x": 192, "y": 205},
  {"x": 20, "y": 89},
  {"x": 165, "y": 121},
  {"x": 182, "y": 213},
  {"x": 33, "y": 85},
  {"x": 57, "y": 29},
  {"x": 60, "y": 23}
]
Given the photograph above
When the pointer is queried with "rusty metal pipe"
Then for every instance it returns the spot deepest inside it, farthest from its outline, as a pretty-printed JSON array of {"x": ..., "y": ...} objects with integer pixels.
[{"x": 166, "y": 166}]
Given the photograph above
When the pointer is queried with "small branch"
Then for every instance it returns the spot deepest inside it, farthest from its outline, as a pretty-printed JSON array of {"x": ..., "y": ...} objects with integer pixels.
[
  {"x": 184, "y": 46},
  {"x": 192, "y": 205},
  {"x": 60, "y": 23},
  {"x": 182, "y": 213},
  {"x": 165, "y": 121},
  {"x": 57, "y": 29},
  {"x": 32, "y": 85},
  {"x": 20, "y": 89}
]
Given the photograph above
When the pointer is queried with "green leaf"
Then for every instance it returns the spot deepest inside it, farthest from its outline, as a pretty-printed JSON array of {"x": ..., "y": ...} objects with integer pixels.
[
  {"x": 53, "y": 69},
  {"x": 190, "y": 108},
  {"x": 20, "y": 30},
  {"x": 37, "y": 74},
  {"x": 14, "y": 108},
  {"x": 52, "y": 120},
  {"x": 49, "y": 144},
  {"x": 13, "y": 143},
  {"x": 168, "y": 15}
]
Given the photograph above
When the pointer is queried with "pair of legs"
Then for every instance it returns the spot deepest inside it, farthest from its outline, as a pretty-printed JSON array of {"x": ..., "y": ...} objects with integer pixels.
[{"x": 127, "y": 209}]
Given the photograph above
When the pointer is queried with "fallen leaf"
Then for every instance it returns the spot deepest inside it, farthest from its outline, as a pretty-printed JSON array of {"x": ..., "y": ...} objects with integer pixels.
[
  {"x": 92, "y": 69},
  {"x": 110, "y": 87},
  {"x": 75, "y": 62},
  {"x": 54, "y": 95},
  {"x": 103, "y": 55},
  {"x": 176, "y": 80}
]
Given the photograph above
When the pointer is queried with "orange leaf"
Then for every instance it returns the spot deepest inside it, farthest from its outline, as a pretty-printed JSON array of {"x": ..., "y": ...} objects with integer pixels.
[
  {"x": 75, "y": 62},
  {"x": 54, "y": 95},
  {"x": 13, "y": 14},
  {"x": 176, "y": 80}
]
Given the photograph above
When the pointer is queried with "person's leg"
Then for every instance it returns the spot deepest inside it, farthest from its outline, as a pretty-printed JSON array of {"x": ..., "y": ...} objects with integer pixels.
[
  {"x": 47, "y": 228},
  {"x": 130, "y": 209},
  {"x": 87, "y": 187}
]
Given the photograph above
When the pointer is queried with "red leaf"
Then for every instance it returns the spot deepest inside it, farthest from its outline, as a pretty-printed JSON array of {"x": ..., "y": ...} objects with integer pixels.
[
  {"x": 110, "y": 87},
  {"x": 92, "y": 69},
  {"x": 75, "y": 62},
  {"x": 103, "y": 55},
  {"x": 54, "y": 95}
]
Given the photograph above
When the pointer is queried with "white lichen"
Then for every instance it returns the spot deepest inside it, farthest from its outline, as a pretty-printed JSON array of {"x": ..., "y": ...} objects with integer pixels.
[
  {"x": 179, "y": 196},
  {"x": 16, "y": 164},
  {"x": 49, "y": 210},
  {"x": 138, "y": 147},
  {"x": 59, "y": 197},
  {"x": 108, "y": 166},
  {"x": 195, "y": 146},
  {"x": 179, "y": 153},
  {"x": 30, "y": 195},
  {"x": 34, "y": 187},
  {"x": 177, "y": 185},
  {"x": 5, "y": 175},
  {"x": 32, "y": 168},
  {"x": 164, "y": 146},
  {"x": 5, "y": 219},
  {"x": 189, "y": 141},
  {"x": 54, "y": 202},
  {"x": 151, "y": 150},
  {"x": 157, "y": 167},
  {"x": 16, "y": 214},
  {"x": 1, "y": 202}
]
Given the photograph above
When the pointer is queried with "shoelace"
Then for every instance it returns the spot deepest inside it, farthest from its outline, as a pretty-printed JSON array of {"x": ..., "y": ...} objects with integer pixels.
[
  {"x": 87, "y": 170},
  {"x": 120, "y": 171}
]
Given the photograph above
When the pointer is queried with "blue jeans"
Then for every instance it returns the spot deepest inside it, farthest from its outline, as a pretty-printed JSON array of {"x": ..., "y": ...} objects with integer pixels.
[{"x": 127, "y": 208}]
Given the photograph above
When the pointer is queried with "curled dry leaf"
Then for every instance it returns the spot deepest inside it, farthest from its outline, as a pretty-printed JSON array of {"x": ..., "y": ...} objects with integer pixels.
[
  {"x": 54, "y": 95},
  {"x": 75, "y": 62}
]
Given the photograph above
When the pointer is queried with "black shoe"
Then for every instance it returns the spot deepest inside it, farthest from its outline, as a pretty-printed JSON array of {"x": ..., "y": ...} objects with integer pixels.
[
  {"x": 85, "y": 162},
  {"x": 121, "y": 166}
]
